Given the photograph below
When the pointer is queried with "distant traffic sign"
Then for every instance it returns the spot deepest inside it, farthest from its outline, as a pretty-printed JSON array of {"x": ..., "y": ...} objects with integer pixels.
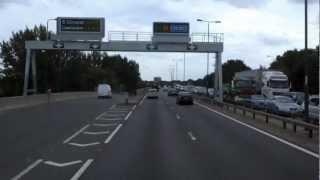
[
  {"x": 79, "y": 28},
  {"x": 167, "y": 27},
  {"x": 171, "y": 32}
]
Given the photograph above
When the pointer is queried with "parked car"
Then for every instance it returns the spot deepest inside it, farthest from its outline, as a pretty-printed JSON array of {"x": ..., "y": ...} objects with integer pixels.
[
  {"x": 172, "y": 92},
  {"x": 283, "y": 105},
  {"x": 254, "y": 101},
  {"x": 314, "y": 108},
  {"x": 152, "y": 93},
  {"x": 184, "y": 98},
  {"x": 104, "y": 91}
]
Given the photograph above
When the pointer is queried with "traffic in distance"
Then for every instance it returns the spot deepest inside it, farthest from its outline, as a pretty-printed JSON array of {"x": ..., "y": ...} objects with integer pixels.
[{"x": 164, "y": 90}]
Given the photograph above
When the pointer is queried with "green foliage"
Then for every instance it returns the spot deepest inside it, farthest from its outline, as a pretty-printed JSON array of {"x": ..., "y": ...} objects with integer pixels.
[
  {"x": 230, "y": 67},
  {"x": 292, "y": 64},
  {"x": 63, "y": 70}
]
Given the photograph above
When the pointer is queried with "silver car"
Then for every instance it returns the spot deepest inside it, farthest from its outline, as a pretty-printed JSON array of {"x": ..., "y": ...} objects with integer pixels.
[{"x": 283, "y": 105}]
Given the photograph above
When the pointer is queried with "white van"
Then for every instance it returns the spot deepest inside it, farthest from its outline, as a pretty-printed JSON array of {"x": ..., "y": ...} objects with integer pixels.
[{"x": 104, "y": 91}]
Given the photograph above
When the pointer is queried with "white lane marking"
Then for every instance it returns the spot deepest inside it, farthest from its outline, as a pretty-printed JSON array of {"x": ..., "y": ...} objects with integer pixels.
[
  {"x": 144, "y": 97},
  {"x": 75, "y": 134},
  {"x": 96, "y": 133},
  {"x": 192, "y": 136},
  {"x": 113, "y": 106},
  {"x": 262, "y": 132},
  {"x": 84, "y": 145},
  {"x": 104, "y": 125},
  {"x": 51, "y": 163},
  {"x": 26, "y": 170},
  {"x": 134, "y": 107},
  {"x": 102, "y": 114},
  {"x": 112, "y": 134},
  {"x": 128, "y": 115},
  {"x": 117, "y": 111},
  {"x": 177, "y": 116},
  {"x": 113, "y": 116},
  {"x": 109, "y": 119},
  {"x": 83, "y": 168}
]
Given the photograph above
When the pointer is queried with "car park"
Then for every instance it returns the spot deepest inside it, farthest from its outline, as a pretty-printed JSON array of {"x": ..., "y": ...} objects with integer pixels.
[
  {"x": 152, "y": 93},
  {"x": 184, "y": 98},
  {"x": 283, "y": 105},
  {"x": 104, "y": 91}
]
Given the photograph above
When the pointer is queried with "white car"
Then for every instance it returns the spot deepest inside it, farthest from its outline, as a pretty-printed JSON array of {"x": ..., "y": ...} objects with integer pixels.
[
  {"x": 152, "y": 93},
  {"x": 104, "y": 91},
  {"x": 283, "y": 105}
]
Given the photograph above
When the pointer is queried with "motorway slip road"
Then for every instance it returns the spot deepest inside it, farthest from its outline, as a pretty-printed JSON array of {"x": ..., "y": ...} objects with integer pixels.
[{"x": 156, "y": 139}]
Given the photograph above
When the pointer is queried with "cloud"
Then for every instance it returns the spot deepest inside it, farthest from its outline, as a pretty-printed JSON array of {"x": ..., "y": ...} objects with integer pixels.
[
  {"x": 246, "y": 3},
  {"x": 273, "y": 40},
  {"x": 4, "y": 3}
]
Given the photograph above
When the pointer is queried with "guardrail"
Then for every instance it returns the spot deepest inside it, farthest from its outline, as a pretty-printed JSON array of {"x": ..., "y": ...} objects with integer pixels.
[
  {"x": 295, "y": 123},
  {"x": 129, "y": 36},
  {"x": 147, "y": 36}
]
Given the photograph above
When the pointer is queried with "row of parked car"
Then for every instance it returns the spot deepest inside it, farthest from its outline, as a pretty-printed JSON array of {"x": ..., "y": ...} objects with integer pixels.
[{"x": 281, "y": 105}]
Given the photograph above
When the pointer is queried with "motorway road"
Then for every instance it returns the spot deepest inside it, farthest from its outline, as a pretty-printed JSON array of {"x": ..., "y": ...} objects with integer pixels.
[{"x": 153, "y": 140}]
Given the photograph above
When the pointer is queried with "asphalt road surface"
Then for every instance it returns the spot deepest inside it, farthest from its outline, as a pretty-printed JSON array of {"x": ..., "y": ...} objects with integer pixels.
[{"x": 155, "y": 139}]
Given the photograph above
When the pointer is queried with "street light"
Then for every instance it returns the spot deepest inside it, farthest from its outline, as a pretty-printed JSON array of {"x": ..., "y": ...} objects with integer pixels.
[
  {"x": 48, "y": 26},
  {"x": 206, "y": 21}
]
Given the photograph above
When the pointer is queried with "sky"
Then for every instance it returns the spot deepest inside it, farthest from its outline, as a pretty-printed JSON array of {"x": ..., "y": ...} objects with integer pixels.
[{"x": 255, "y": 31}]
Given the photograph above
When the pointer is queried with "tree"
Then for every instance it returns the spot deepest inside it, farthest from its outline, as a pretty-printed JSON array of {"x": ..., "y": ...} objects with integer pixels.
[
  {"x": 230, "y": 67},
  {"x": 292, "y": 64},
  {"x": 68, "y": 70}
]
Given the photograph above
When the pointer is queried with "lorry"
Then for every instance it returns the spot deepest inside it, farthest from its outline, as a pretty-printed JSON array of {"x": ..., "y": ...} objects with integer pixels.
[{"x": 266, "y": 82}]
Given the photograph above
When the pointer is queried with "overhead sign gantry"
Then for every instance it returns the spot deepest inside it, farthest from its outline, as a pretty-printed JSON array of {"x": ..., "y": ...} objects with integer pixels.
[{"x": 86, "y": 34}]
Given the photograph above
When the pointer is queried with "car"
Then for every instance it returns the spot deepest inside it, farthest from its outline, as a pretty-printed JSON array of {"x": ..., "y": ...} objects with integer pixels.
[
  {"x": 254, "y": 101},
  {"x": 172, "y": 92},
  {"x": 184, "y": 98},
  {"x": 314, "y": 108},
  {"x": 104, "y": 91},
  {"x": 283, "y": 105},
  {"x": 152, "y": 93}
]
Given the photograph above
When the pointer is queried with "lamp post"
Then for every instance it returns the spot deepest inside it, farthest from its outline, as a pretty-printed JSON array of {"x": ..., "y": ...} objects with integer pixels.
[
  {"x": 208, "y": 22},
  {"x": 48, "y": 26},
  {"x": 306, "y": 88}
]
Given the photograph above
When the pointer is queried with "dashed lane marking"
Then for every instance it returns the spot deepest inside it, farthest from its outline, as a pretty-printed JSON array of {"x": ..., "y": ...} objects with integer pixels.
[
  {"x": 75, "y": 134},
  {"x": 84, "y": 145},
  {"x": 177, "y": 116},
  {"x": 26, "y": 170},
  {"x": 128, "y": 115},
  {"x": 84, "y": 167},
  {"x": 192, "y": 136},
  {"x": 51, "y": 163},
  {"x": 261, "y": 131},
  {"x": 96, "y": 133},
  {"x": 112, "y": 134}
]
